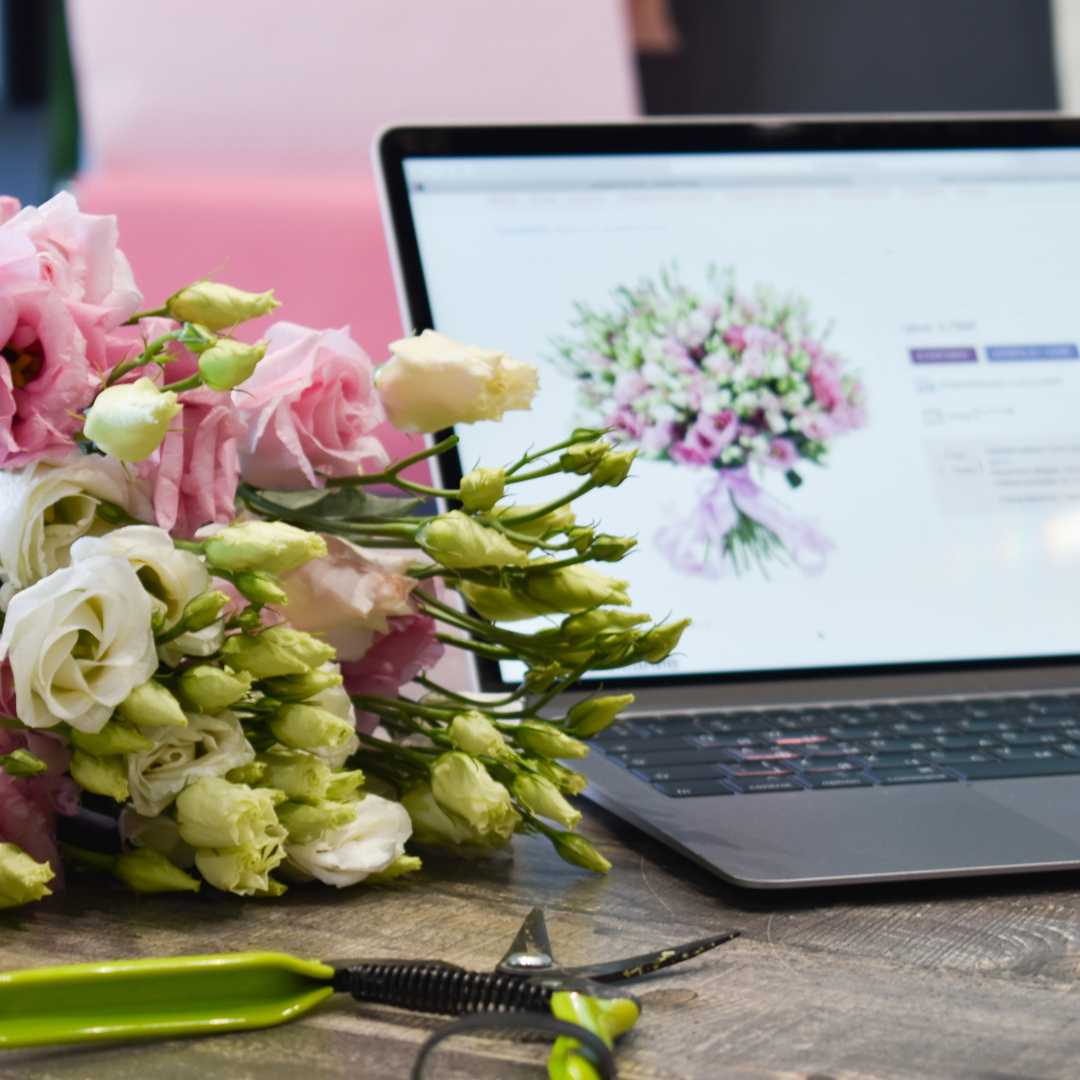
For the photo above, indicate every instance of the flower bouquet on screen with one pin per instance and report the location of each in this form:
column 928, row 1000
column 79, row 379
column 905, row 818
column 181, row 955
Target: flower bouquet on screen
column 222, row 602
column 738, row 387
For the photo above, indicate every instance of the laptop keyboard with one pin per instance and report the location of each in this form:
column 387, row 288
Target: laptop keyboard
column 755, row 751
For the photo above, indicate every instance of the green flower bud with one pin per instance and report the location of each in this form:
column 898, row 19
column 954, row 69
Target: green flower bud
column 583, row 457
column 227, row 363
column 403, row 864
column 612, row 471
column 432, row 825
column 145, row 870
column 481, row 489
column 539, row 679
column 210, row 689
column 305, row 727
column 463, row 788
column 611, row 548
column 299, row 775
column 590, row 623
column 661, row 641
column 558, row 520
column 211, row 813
column 204, row 610
column 278, row 650
column 22, row 879
column 270, row 546
column 102, row 776
column 23, row 764
column 196, row 337
column 218, row 307
column 306, row 822
column 542, row 797
column 593, row 715
column 476, row 734
column 573, row 783
column 128, row 421
column 302, row 687
column 249, row 774
column 457, row 540
column 244, row 869
column 150, row 704
column 343, row 784
column 577, row 851
column 113, row 738
column 259, row 588
column 548, row 740
column 581, row 538
column 546, row 592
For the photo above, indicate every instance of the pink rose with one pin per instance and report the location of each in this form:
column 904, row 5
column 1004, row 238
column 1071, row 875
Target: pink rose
column 78, row 256
column 690, row 451
column 18, row 258
column 347, row 597
column 658, row 437
column 628, row 421
column 781, row 454
column 817, row 426
column 761, row 337
column 46, row 379
column 734, row 338
column 9, row 207
column 826, row 380
column 311, row 405
column 629, row 386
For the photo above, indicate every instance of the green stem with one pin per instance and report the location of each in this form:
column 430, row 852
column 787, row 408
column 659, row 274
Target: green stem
column 91, row 858
column 188, row 545
column 547, row 508
column 144, row 358
column 372, row 702
column 411, row 757
column 184, row 384
column 493, row 652
column 158, row 311
column 548, row 470
column 389, row 474
column 559, row 687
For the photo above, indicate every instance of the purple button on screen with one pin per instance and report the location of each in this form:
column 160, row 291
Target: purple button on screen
column 943, row 356
column 1032, row 352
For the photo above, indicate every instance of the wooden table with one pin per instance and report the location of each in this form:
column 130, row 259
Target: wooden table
column 965, row 981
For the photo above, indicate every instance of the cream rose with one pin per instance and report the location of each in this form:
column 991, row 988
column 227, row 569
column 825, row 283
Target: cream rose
column 432, row 382
column 79, row 642
column 366, row 845
column 47, row 506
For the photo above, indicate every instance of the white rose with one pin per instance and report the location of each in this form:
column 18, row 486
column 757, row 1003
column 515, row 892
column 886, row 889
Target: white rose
column 432, row 382
column 367, row 844
column 172, row 577
column 208, row 746
column 47, row 506
column 335, row 699
column 79, row 642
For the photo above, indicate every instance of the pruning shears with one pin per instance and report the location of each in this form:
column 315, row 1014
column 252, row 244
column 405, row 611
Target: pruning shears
column 203, row 995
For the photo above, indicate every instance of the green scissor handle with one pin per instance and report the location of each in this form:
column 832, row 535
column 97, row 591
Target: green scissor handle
column 185, row 995
column 607, row 1017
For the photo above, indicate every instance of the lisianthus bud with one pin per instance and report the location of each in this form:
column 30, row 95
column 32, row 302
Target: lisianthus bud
column 590, row 623
column 476, row 734
column 580, row 537
column 305, row 727
column 23, row 764
column 431, row 824
column 228, row 362
column 582, row 457
column 299, row 775
column 588, row 717
column 611, row 548
column 270, row 546
column 457, row 540
column 22, row 879
column 277, row 650
column 260, row 588
column 573, row 783
column 244, row 869
column 129, row 421
column 548, row 740
column 542, row 797
column 432, row 382
column 302, row 687
column 575, row 588
column 539, row 679
column 204, row 611
column 101, row 775
column 145, row 870
column 661, row 640
column 218, row 306
column 249, row 774
column 209, row 689
column 558, row 520
column 612, row 471
column 113, row 738
column 150, row 704
column 577, row 851
column 343, row 784
column 214, row 813
column 463, row 788
column 481, row 489
column 306, row 822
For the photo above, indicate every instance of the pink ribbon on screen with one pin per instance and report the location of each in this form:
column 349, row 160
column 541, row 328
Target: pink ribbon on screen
column 689, row 542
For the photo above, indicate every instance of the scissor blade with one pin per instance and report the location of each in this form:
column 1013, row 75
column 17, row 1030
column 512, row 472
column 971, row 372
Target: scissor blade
column 530, row 944
column 616, row 970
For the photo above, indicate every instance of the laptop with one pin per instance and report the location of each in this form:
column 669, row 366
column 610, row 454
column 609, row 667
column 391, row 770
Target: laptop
column 849, row 352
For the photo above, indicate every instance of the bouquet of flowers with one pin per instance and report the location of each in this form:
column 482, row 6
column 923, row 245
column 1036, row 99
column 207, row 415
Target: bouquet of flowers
column 219, row 596
column 725, row 383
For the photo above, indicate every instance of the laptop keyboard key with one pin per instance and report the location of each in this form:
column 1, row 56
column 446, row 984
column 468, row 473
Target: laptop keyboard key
column 1070, row 748
column 755, row 768
column 765, row 753
column 682, row 789
column 963, row 742
column 921, row 727
column 689, row 756
column 654, row 773
column 1004, row 770
column 713, row 739
column 1023, row 753
column 750, row 786
column 833, row 749
column 897, row 746
column 888, row 761
column 982, row 726
column 1035, row 722
column 956, row 757
column 1027, row 738
column 631, row 746
column 857, row 731
column 924, row 774
column 667, row 726
column 828, row 764
column 819, row 781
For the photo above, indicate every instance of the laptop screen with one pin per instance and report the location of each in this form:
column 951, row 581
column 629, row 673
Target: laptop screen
column 853, row 377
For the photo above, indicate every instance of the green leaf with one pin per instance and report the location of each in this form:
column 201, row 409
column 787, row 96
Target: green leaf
column 342, row 504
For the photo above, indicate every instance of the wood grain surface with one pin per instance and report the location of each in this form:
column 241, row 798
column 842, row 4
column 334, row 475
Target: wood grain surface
column 972, row 980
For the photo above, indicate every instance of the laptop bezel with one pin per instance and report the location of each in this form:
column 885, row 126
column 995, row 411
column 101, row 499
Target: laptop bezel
column 751, row 134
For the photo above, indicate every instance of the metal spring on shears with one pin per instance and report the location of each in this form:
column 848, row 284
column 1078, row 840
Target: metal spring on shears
column 441, row 988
